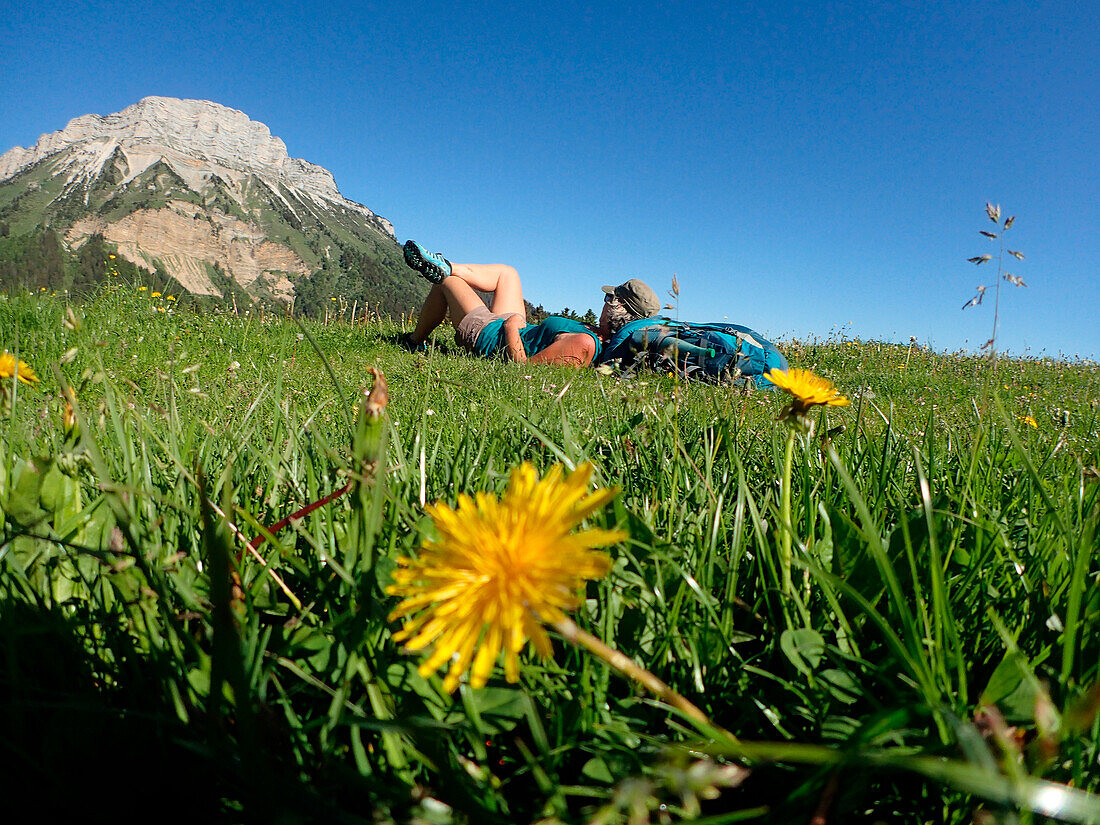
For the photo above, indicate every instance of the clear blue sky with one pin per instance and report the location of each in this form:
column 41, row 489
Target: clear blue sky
column 807, row 169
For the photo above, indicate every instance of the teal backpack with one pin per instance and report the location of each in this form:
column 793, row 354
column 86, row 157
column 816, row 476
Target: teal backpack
column 720, row 353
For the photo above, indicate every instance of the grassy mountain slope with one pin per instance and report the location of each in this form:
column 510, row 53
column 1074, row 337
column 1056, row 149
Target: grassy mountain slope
column 330, row 251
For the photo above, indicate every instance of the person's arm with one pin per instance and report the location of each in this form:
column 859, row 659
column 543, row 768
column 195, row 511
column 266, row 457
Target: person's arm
column 513, row 344
column 570, row 349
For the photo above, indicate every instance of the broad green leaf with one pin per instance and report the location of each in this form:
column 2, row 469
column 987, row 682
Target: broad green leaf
column 804, row 647
column 840, row 684
column 23, row 504
column 596, row 769
column 61, row 496
column 499, row 703
column 1012, row 688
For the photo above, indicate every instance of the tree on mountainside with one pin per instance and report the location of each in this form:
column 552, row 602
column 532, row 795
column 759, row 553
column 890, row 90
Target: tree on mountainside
column 34, row 261
column 93, row 260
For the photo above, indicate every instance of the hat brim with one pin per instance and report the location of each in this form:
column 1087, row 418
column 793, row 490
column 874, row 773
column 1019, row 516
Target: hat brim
column 610, row 290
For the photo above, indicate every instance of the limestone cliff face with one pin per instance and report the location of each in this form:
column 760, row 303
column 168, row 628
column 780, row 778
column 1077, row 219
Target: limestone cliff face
column 182, row 245
column 187, row 184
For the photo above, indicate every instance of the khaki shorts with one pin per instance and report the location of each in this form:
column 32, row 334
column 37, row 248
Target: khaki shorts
column 471, row 326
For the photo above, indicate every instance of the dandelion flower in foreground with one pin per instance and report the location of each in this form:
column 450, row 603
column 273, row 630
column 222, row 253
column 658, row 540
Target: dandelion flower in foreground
column 9, row 367
column 807, row 390
column 498, row 571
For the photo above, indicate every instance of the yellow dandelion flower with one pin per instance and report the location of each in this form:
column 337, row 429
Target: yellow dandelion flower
column 155, row 294
column 142, row 288
column 498, row 571
column 1030, row 421
column 171, row 298
column 807, row 390
column 10, row 368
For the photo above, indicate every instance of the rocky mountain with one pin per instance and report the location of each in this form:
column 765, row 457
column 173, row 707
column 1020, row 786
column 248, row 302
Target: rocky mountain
column 201, row 194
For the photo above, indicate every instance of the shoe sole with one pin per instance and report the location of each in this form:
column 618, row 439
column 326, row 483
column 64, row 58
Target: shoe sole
column 430, row 270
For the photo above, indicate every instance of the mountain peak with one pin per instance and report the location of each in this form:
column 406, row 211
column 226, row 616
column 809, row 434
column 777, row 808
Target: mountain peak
column 191, row 136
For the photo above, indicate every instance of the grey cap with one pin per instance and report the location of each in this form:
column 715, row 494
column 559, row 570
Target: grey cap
column 637, row 296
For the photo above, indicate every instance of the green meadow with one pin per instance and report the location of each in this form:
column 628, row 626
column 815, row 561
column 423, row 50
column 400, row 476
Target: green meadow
column 926, row 650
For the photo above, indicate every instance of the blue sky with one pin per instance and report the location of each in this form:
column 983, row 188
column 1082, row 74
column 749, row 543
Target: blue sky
column 808, row 169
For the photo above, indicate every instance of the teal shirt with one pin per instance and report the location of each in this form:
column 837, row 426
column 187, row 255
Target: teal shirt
column 535, row 337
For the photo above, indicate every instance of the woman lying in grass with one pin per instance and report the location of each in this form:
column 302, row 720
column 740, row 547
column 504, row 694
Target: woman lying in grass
column 502, row 328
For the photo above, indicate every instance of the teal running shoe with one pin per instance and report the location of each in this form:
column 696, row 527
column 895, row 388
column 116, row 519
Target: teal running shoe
column 431, row 265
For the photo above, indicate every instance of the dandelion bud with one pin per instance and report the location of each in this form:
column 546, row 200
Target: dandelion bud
column 367, row 442
column 68, row 420
column 68, row 416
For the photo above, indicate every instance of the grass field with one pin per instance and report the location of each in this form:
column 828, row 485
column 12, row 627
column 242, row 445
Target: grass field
column 926, row 650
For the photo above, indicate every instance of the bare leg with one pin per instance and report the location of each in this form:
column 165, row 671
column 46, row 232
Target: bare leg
column 570, row 349
column 432, row 314
column 500, row 279
column 453, row 295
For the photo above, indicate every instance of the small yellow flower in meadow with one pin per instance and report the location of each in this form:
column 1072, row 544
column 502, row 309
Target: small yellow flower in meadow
column 807, row 390
column 112, row 257
column 142, row 288
column 156, row 294
column 170, row 298
column 10, row 368
column 500, row 570
column 1030, row 421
